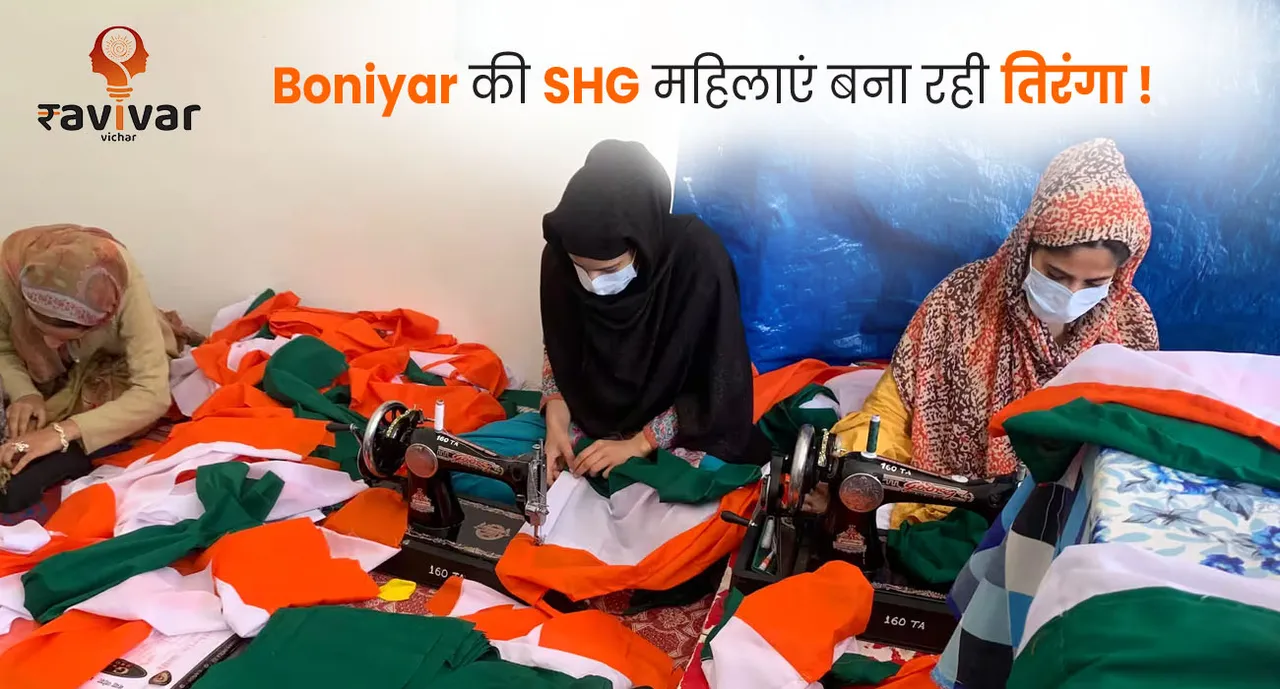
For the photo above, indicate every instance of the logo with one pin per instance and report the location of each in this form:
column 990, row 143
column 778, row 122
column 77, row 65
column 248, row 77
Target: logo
column 161, row 679
column 935, row 490
column 119, row 57
column 419, row 502
column 492, row 532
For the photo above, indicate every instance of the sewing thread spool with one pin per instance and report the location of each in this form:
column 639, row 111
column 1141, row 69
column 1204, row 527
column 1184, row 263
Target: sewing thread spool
column 439, row 418
column 873, row 436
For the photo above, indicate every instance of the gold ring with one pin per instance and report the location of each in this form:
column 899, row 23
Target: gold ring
column 21, row 446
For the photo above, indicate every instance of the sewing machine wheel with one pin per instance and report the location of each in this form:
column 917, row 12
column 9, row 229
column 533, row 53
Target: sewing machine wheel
column 801, row 475
column 382, row 450
column 862, row 493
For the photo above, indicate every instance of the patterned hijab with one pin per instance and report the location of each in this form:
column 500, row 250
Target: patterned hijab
column 974, row 346
column 65, row 273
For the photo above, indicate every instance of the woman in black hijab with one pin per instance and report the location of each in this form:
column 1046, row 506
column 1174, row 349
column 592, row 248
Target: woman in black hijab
column 645, row 347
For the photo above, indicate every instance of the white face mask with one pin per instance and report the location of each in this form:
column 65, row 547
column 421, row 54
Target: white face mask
column 1057, row 305
column 609, row 283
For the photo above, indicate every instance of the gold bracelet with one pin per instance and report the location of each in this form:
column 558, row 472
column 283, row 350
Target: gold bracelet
column 62, row 436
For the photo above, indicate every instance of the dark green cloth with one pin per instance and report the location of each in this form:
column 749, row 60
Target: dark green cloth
column 675, row 480
column 232, row 502
column 932, row 553
column 513, row 401
column 265, row 330
column 731, row 602
column 1046, row 441
column 853, row 670
column 414, row 373
column 781, row 424
column 1152, row 638
column 296, row 374
column 330, row 646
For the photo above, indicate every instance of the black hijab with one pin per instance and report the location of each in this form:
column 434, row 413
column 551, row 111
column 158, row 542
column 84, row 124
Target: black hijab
column 673, row 337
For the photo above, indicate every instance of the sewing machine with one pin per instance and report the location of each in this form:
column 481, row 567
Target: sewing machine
column 783, row 538
column 448, row 535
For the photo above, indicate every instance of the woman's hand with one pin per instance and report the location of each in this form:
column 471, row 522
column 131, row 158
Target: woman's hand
column 25, row 414
column 559, row 447
column 39, row 443
column 603, row 455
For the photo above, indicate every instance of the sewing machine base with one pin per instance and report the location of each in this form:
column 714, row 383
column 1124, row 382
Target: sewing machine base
column 901, row 616
column 470, row 550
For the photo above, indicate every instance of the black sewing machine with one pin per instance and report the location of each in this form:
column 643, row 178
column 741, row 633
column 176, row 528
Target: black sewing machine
column 448, row 535
column 783, row 538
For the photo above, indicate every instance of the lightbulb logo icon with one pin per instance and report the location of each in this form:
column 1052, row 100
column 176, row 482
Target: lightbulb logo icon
column 119, row 56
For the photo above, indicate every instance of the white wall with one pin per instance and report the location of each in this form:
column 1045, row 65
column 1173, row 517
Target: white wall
column 435, row 208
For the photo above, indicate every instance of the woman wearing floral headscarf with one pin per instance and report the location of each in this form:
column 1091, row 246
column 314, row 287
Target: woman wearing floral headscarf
column 999, row 328
column 84, row 355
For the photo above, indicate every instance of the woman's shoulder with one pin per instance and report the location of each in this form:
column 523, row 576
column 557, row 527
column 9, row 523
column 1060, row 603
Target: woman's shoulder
column 962, row 286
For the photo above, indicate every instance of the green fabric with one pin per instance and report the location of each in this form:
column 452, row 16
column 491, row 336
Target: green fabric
column 514, row 400
column 675, row 479
column 259, row 300
column 296, row 374
column 934, row 552
column 781, row 424
column 731, row 602
column 1046, row 441
column 232, row 502
column 1152, row 638
column 265, row 331
column 330, row 646
column 415, row 374
column 853, row 670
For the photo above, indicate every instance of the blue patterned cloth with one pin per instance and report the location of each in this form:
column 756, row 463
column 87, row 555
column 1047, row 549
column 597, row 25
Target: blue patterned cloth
column 1105, row 496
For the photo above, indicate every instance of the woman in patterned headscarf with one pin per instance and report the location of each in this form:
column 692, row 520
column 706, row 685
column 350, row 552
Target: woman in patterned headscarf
column 999, row 328
column 84, row 355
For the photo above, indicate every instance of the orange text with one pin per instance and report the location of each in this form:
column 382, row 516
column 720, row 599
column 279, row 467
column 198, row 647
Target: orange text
column 368, row 88
column 621, row 85
column 1027, row 76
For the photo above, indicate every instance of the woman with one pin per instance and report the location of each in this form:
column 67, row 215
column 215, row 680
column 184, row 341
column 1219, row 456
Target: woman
column 84, row 355
column 645, row 347
column 999, row 328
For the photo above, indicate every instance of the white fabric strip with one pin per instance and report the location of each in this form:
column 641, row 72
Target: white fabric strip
column 1082, row 572
column 1245, row 381
column 620, row 530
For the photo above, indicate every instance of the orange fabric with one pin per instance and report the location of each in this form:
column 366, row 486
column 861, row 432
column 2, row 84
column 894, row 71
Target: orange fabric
column 253, row 321
column 89, row 513
column 69, row 651
column 140, row 448
column 241, row 400
column 1174, row 403
column 836, row 600
column 300, row 436
column 499, row 623
column 775, row 386
column 529, row 570
column 378, row 514
column 914, row 674
column 14, row 563
column 287, row 564
column 467, row 408
column 596, row 635
column 377, row 345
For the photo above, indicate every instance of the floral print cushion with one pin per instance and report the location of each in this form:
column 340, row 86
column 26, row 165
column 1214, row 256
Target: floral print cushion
column 1234, row 527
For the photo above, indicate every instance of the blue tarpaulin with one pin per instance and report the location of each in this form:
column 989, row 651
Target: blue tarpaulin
column 838, row 234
